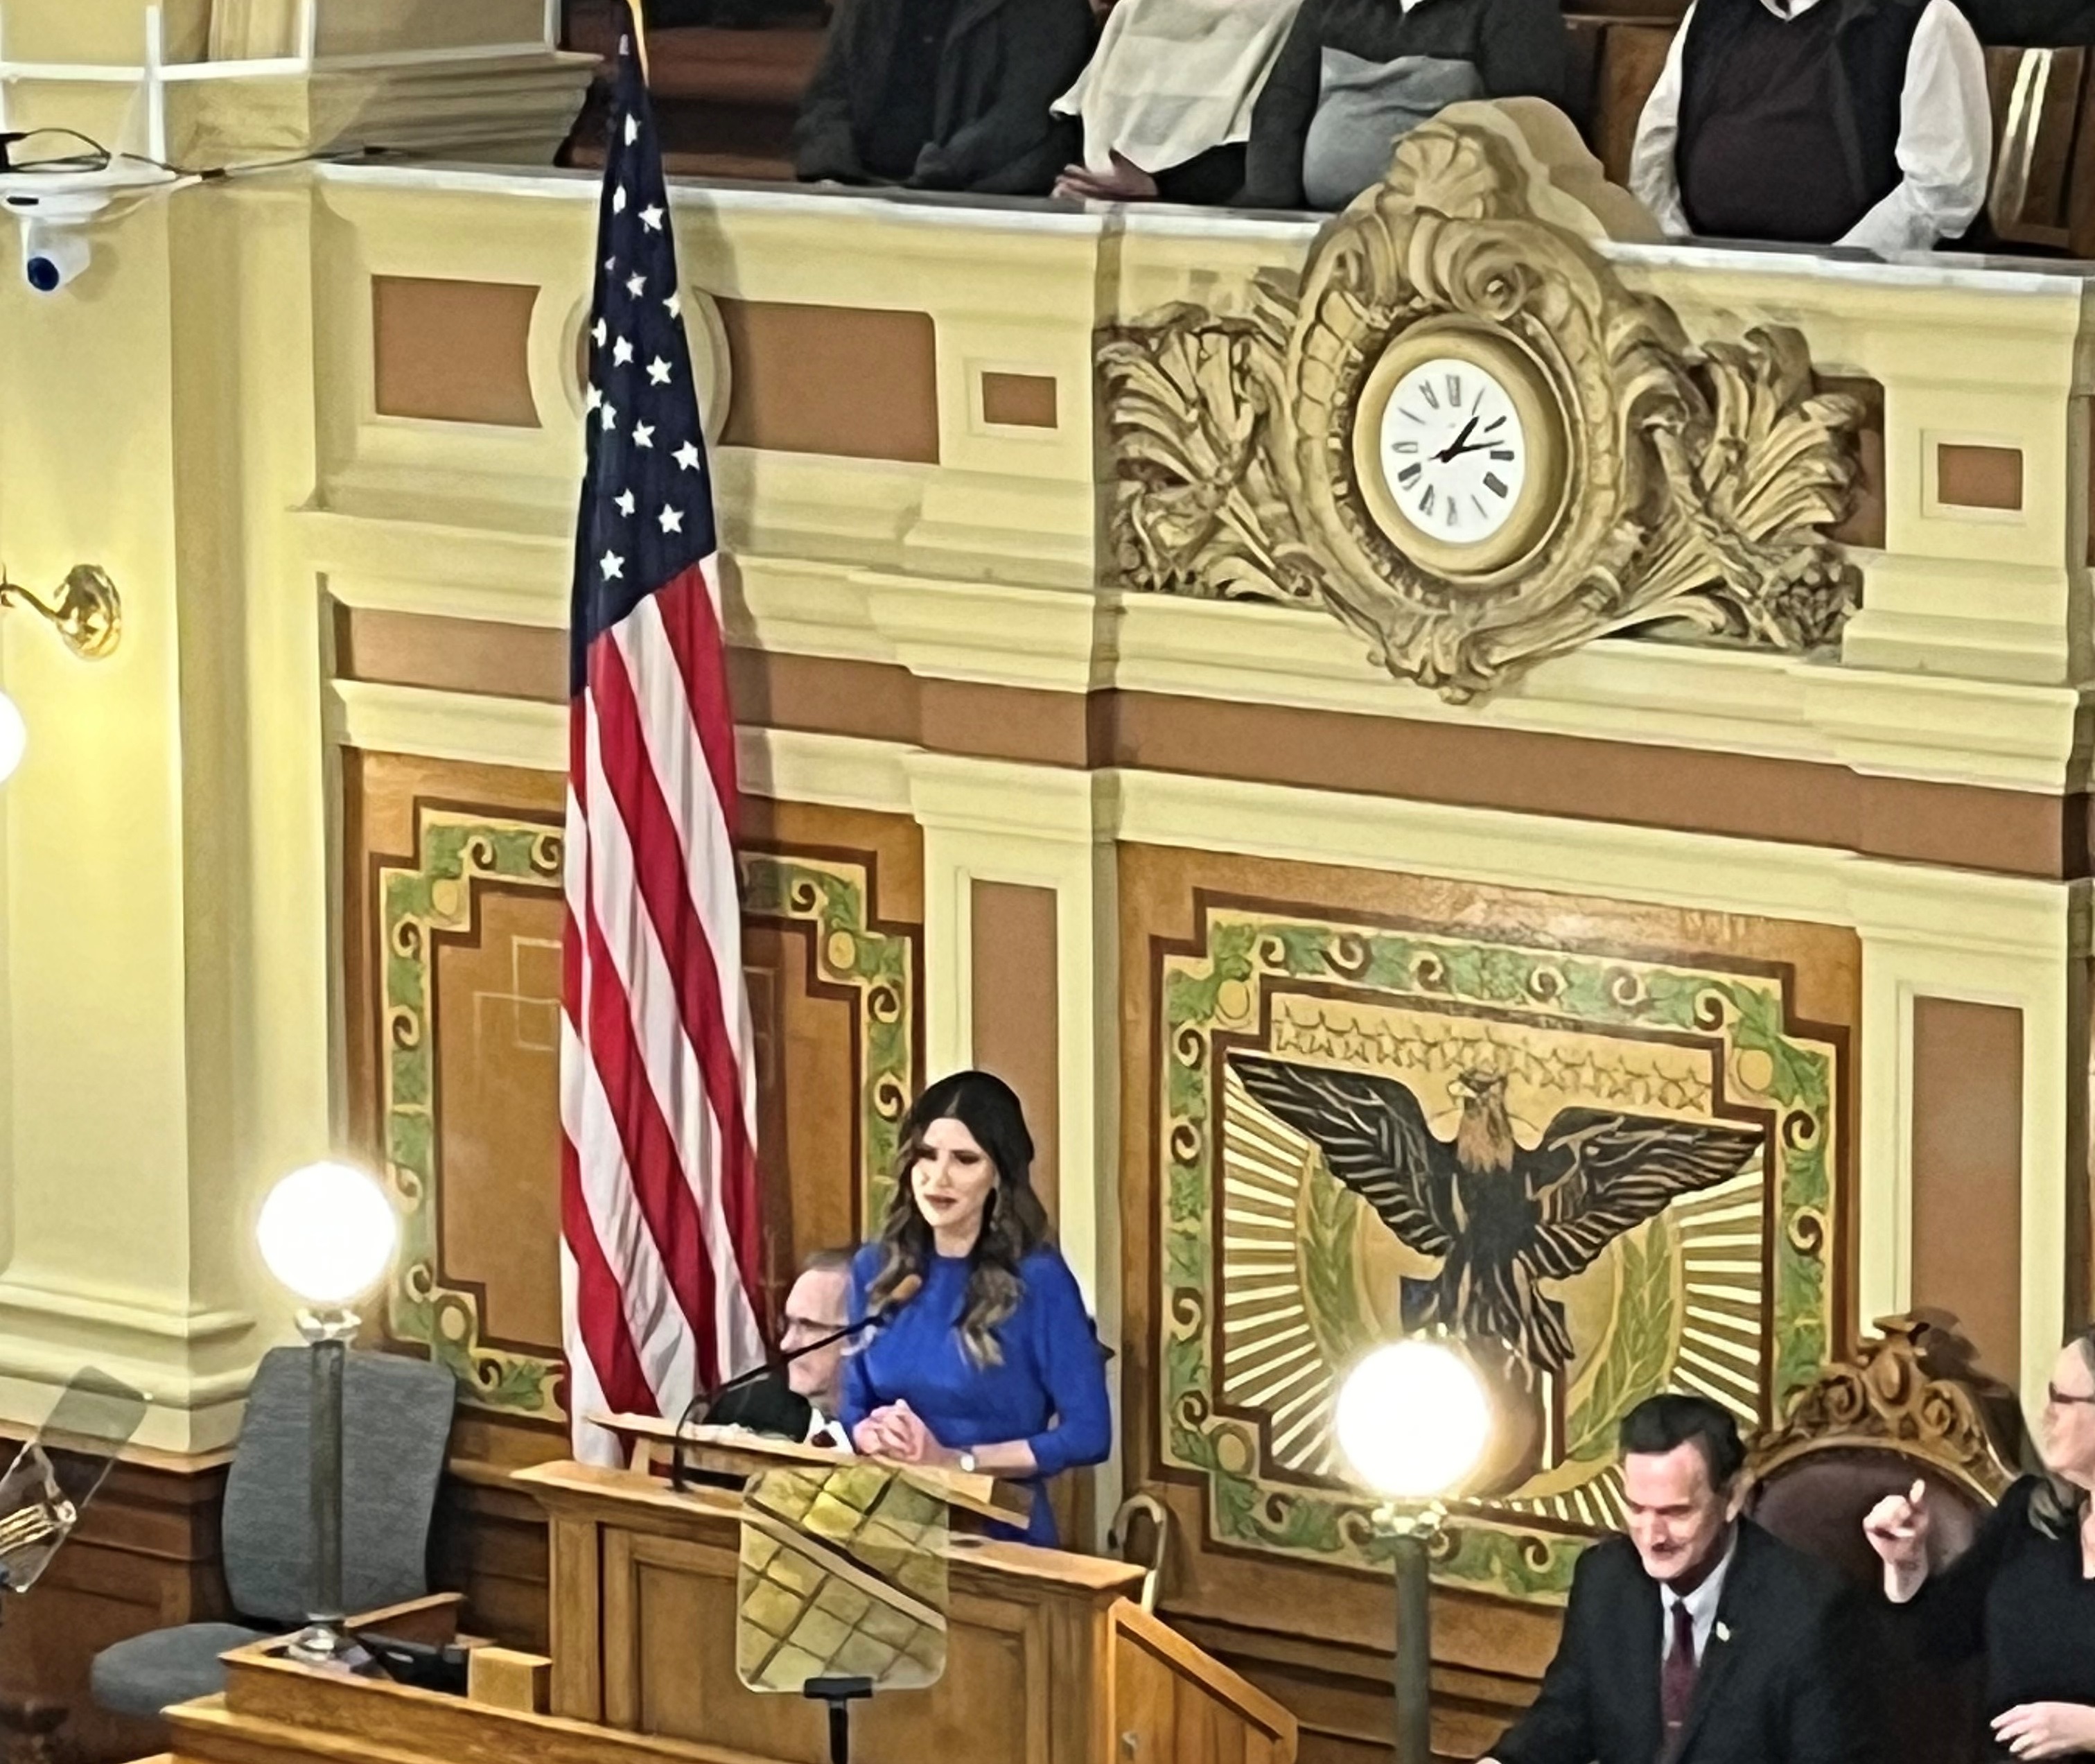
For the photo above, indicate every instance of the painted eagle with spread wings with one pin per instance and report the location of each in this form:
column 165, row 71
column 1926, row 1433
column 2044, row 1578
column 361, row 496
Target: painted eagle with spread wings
column 1499, row 1218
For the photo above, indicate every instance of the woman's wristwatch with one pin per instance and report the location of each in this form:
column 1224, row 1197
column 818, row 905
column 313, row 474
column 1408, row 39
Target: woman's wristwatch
column 967, row 1462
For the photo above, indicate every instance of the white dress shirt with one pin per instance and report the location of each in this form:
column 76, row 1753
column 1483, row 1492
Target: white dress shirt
column 1701, row 1606
column 1944, row 142
column 825, row 1430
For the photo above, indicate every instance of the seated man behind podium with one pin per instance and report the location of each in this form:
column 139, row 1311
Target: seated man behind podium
column 1818, row 122
column 991, row 1363
column 802, row 1401
column 1698, row 1638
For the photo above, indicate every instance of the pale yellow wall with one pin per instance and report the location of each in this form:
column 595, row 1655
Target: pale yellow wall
column 196, row 416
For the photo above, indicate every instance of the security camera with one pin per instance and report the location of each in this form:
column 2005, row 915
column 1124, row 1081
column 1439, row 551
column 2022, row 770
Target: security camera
column 55, row 222
column 52, row 256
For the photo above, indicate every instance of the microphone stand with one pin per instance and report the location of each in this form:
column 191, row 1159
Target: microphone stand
column 702, row 1402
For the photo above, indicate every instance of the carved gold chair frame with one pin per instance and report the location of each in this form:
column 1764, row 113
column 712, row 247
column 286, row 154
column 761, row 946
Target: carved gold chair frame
column 1886, row 1399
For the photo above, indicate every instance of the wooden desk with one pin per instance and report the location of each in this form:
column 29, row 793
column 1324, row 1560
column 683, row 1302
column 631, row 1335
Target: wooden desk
column 1047, row 1663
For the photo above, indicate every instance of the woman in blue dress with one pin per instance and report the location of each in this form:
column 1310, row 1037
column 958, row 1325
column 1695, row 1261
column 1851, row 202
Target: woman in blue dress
column 991, row 1364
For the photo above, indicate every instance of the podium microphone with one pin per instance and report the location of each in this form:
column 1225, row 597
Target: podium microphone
column 702, row 1403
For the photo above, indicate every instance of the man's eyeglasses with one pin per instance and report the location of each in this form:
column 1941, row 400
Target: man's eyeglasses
column 2065, row 1399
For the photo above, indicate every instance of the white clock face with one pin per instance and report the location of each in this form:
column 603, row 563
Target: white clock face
column 1451, row 451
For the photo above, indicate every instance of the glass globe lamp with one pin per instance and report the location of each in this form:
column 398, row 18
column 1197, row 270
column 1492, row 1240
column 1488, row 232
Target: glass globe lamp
column 328, row 1232
column 1412, row 1419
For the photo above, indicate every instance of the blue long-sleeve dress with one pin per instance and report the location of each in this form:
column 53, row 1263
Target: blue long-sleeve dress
column 1050, row 1390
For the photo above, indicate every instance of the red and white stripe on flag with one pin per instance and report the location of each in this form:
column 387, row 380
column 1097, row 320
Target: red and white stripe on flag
column 659, row 1213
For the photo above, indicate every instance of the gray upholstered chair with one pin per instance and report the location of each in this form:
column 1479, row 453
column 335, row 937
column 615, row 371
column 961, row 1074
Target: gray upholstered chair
column 396, row 1426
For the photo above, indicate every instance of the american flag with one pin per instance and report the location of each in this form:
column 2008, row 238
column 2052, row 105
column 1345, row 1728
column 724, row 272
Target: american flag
column 659, row 1210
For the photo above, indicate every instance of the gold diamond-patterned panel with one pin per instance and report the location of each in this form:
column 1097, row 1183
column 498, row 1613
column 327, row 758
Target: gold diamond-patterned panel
column 843, row 1575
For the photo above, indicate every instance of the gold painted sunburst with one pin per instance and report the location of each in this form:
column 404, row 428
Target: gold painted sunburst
column 1310, row 1277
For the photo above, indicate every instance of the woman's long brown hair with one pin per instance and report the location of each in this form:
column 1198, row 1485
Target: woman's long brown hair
column 1014, row 1223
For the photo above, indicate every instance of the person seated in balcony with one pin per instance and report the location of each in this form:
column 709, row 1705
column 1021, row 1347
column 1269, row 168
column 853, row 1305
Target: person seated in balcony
column 944, row 94
column 1165, row 100
column 1354, row 75
column 1818, row 122
column 2033, row 23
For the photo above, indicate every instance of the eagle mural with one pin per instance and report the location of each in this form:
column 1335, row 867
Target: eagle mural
column 1498, row 1217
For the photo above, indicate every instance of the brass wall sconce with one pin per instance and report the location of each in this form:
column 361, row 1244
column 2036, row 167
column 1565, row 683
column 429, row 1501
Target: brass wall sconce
column 85, row 611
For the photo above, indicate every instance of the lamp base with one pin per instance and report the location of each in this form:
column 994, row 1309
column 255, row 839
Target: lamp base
column 1410, row 1527
column 322, row 1643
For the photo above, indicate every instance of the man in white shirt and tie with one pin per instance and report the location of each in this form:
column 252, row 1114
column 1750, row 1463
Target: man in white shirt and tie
column 1696, row 1637
column 1818, row 122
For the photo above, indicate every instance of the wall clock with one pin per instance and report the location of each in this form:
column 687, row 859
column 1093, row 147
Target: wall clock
column 1460, row 448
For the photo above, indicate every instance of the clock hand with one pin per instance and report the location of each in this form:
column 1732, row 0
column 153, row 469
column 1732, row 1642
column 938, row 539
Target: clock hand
column 1459, row 444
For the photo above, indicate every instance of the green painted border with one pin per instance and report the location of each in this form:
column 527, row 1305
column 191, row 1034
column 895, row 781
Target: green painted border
column 1246, row 948
column 879, row 966
column 455, row 852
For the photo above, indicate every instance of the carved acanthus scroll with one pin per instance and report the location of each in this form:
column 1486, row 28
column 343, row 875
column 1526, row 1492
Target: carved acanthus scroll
column 1700, row 479
column 1887, row 1398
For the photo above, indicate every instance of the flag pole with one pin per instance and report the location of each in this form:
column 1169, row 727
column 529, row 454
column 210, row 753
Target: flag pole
column 637, row 10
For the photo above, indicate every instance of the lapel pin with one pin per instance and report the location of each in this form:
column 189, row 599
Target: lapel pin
column 1723, row 1632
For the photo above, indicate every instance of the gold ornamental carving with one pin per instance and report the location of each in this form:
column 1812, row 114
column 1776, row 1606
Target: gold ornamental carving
column 1609, row 475
column 1886, row 1398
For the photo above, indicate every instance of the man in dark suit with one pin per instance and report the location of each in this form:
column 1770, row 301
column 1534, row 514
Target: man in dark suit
column 801, row 1401
column 1697, row 1638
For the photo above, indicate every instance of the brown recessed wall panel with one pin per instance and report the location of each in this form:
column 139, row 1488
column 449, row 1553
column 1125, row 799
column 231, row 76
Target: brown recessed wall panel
column 475, row 655
column 458, row 351
column 1972, row 477
column 1967, row 1172
column 855, row 381
column 1019, row 400
column 1740, row 796
column 1012, row 945
column 497, row 993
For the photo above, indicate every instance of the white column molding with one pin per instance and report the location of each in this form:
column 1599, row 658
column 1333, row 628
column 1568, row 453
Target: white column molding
column 1983, row 940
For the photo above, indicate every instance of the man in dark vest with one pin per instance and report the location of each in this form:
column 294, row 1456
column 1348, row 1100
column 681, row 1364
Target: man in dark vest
column 1818, row 122
column 1697, row 1638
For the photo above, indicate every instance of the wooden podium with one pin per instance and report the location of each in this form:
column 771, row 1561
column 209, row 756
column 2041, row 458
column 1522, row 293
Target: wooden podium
column 1048, row 1662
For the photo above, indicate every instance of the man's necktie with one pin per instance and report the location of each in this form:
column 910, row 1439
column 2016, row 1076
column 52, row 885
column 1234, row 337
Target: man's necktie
column 1676, row 1680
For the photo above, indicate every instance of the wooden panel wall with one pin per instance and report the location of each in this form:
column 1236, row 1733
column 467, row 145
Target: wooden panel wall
column 146, row 1555
column 451, row 984
column 1548, row 989
column 1967, row 1175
